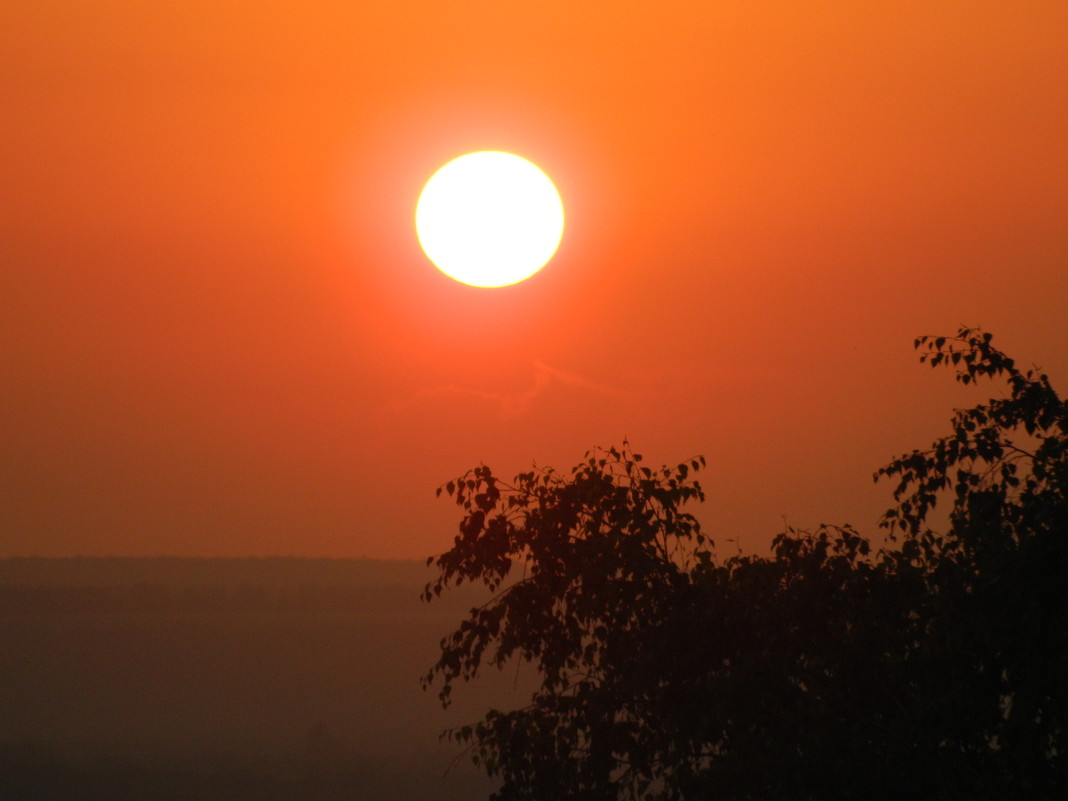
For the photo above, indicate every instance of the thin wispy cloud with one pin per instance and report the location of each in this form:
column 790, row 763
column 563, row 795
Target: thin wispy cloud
column 511, row 405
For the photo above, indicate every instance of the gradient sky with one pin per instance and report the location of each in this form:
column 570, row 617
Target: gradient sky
column 219, row 335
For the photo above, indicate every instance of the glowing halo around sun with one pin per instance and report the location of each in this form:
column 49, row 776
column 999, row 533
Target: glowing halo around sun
column 489, row 219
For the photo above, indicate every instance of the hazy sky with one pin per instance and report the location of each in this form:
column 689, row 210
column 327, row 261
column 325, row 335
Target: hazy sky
column 220, row 337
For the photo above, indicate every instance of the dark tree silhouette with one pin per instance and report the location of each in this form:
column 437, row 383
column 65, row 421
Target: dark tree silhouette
column 930, row 667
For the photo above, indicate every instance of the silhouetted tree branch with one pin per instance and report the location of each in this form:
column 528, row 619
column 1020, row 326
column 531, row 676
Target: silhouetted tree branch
column 930, row 668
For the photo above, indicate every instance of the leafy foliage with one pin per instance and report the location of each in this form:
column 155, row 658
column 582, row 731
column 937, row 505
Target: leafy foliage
column 930, row 667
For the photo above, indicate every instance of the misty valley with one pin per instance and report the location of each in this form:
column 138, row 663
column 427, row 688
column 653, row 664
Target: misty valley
column 228, row 678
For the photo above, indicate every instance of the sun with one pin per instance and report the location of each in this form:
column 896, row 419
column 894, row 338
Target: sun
column 489, row 219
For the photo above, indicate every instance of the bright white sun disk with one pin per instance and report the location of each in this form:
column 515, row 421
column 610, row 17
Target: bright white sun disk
column 489, row 219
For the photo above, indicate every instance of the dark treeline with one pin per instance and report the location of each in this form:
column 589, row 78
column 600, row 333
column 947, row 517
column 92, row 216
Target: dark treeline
column 42, row 774
column 169, row 584
column 145, row 597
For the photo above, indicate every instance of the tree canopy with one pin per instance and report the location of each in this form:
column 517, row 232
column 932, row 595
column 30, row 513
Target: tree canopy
column 931, row 666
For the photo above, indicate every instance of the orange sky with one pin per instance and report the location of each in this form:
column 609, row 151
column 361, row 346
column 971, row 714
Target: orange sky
column 219, row 335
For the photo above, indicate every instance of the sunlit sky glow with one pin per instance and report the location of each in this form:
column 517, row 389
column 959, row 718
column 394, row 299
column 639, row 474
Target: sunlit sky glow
column 221, row 336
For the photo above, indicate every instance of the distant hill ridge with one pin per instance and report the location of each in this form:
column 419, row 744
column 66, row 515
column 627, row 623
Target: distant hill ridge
column 111, row 570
